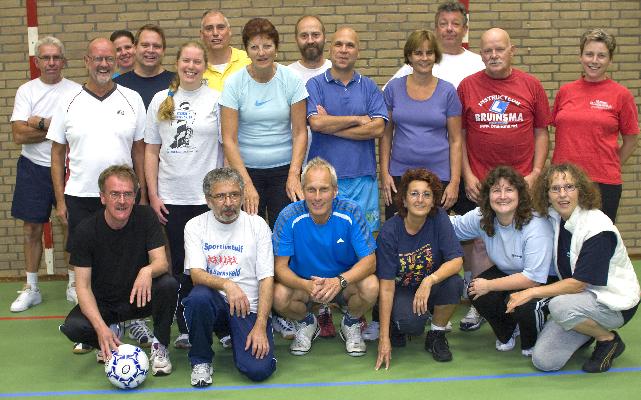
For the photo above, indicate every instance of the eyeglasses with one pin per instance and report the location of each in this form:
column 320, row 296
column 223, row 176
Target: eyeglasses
column 124, row 195
column 569, row 187
column 99, row 59
column 221, row 197
column 51, row 58
column 415, row 195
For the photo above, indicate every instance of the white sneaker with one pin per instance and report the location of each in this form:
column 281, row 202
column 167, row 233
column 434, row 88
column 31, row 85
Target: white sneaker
column 160, row 363
column 140, row 332
column 354, row 343
column 27, row 298
column 285, row 327
column 225, row 341
column 510, row 343
column 182, row 341
column 71, row 293
column 527, row 352
column 304, row 335
column 471, row 321
column 371, row 332
column 201, row 375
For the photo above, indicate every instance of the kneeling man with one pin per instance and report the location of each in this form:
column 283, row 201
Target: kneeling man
column 230, row 258
column 118, row 254
column 324, row 253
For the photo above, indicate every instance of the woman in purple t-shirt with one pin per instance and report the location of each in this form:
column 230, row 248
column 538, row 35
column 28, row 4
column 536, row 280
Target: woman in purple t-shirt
column 425, row 123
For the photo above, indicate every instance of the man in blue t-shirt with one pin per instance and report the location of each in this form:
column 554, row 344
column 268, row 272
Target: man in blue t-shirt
column 324, row 252
column 346, row 112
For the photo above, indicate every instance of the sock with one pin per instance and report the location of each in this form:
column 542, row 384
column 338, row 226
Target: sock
column 32, row 279
column 72, row 277
column 350, row 320
column 437, row 328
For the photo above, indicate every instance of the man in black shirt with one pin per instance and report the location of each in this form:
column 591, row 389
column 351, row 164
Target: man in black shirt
column 121, row 271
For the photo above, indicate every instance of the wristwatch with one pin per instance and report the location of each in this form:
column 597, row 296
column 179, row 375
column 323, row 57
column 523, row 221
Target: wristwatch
column 41, row 124
column 343, row 281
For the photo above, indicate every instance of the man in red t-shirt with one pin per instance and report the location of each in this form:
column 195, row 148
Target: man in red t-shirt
column 505, row 116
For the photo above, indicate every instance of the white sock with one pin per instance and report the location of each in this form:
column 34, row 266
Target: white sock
column 437, row 328
column 32, row 279
column 72, row 277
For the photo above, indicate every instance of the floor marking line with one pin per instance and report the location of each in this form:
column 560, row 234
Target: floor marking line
column 309, row 384
column 35, row 317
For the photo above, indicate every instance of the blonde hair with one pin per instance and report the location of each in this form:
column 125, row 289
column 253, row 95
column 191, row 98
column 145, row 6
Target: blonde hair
column 166, row 109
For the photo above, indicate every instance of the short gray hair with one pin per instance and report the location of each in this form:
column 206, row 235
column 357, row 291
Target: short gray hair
column 318, row 162
column 214, row 11
column 50, row 40
column 451, row 6
column 224, row 174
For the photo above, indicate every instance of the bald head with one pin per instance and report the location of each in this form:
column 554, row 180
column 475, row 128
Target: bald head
column 344, row 52
column 497, row 52
column 101, row 43
column 495, row 34
column 346, row 31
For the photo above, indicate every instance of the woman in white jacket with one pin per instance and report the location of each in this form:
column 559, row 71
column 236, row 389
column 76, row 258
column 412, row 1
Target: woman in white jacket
column 598, row 290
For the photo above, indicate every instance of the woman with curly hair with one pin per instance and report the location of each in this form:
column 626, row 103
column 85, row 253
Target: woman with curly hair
column 418, row 260
column 598, row 290
column 519, row 242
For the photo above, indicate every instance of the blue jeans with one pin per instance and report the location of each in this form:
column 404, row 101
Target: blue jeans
column 205, row 311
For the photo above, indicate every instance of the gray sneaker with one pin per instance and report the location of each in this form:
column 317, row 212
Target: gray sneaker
column 140, row 332
column 354, row 343
column 201, row 375
column 159, row 360
column 305, row 334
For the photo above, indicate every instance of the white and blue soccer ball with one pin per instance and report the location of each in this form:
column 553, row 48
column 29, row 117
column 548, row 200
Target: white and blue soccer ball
column 127, row 367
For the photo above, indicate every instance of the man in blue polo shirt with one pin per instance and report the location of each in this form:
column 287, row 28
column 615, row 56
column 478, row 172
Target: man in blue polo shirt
column 346, row 112
column 324, row 252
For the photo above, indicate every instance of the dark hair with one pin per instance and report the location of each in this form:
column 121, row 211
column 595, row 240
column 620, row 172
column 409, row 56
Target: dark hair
column 309, row 16
column 451, row 6
column 153, row 28
column 259, row 27
column 589, row 194
column 122, row 33
column 523, row 213
column 418, row 174
column 121, row 171
column 416, row 39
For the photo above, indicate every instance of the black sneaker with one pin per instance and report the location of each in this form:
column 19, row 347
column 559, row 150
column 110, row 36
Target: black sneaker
column 396, row 338
column 603, row 354
column 436, row 343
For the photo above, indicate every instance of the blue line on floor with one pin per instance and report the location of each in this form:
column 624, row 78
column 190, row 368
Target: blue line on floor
column 306, row 385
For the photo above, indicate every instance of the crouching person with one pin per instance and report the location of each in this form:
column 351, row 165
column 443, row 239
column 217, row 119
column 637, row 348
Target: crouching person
column 118, row 254
column 418, row 260
column 230, row 258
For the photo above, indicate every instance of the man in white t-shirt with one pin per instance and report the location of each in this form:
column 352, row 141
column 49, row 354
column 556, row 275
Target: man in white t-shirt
column 451, row 28
column 33, row 196
column 231, row 262
column 310, row 38
column 103, row 124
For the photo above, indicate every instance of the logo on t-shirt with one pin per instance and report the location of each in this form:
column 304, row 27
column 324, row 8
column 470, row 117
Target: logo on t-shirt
column 415, row 266
column 340, row 240
column 498, row 115
column 184, row 123
column 600, row 105
column 260, row 103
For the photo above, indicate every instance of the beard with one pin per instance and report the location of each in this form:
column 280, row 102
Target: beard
column 312, row 52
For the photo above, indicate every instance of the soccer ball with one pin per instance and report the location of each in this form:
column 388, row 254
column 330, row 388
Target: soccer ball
column 127, row 367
